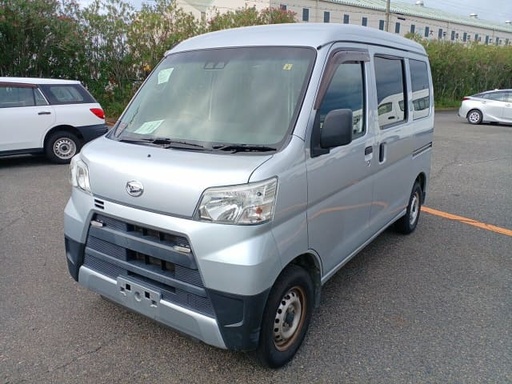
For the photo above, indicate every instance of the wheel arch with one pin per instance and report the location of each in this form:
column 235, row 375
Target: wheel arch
column 421, row 179
column 62, row 128
column 312, row 265
column 473, row 109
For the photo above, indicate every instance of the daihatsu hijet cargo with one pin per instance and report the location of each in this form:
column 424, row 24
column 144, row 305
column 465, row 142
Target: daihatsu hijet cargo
column 250, row 167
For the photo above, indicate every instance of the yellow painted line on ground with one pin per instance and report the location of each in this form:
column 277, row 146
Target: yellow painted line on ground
column 465, row 220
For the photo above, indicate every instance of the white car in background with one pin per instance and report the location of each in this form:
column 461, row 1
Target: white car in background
column 54, row 117
column 488, row 107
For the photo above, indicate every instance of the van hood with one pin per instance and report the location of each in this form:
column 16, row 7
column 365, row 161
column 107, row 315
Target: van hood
column 172, row 180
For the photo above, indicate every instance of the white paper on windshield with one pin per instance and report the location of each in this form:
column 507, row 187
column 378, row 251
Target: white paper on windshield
column 164, row 74
column 148, row 127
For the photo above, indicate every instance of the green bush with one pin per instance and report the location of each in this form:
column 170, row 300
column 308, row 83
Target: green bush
column 459, row 70
column 111, row 47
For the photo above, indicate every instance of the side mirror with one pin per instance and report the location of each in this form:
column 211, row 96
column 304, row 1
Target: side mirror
column 337, row 128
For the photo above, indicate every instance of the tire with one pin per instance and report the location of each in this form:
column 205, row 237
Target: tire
column 407, row 223
column 474, row 117
column 61, row 147
column 286, row 317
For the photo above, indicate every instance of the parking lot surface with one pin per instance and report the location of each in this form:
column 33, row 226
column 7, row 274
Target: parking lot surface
column 432, row 307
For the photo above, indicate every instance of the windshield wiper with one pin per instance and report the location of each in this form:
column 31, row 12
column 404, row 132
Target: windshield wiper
column 136, row 141
column 243, row 148
column 168, row 143
column 164, row 142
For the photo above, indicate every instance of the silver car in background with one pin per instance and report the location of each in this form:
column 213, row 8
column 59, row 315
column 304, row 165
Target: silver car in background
column 488, row 107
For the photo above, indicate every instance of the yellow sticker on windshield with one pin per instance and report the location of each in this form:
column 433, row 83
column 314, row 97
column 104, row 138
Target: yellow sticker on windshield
column 287, row 67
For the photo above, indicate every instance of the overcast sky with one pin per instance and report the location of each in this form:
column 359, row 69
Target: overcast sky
column 493, row 10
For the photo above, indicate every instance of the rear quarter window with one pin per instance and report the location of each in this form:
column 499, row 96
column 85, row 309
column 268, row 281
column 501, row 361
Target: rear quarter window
column 66, row 94
column 497, row 96
column 391, row 90
column 420, row 88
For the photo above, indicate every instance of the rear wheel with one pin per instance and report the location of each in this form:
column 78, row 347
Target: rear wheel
column 407, row 223
column 61, row 147
column 474, row 116
column 286, row 317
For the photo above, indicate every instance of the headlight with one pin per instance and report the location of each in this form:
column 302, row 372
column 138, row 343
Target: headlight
column 239, row 204
column 79, row 174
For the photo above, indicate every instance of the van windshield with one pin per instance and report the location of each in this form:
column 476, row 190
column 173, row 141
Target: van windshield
column 220, row 98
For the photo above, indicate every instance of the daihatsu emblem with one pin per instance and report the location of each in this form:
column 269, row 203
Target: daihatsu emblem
column 134, row 188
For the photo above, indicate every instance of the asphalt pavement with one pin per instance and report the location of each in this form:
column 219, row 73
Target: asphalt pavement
column 432, row 307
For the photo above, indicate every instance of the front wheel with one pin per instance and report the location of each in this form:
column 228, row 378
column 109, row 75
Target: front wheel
column 286, row 317
column 407, row 223
column 61, row 147
column 474, row 116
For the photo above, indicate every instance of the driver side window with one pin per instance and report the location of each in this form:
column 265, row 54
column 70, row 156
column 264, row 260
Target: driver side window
column 346, row 91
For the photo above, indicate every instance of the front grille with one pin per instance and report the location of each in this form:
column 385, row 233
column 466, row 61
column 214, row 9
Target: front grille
column 156, row 259
column 99, row 204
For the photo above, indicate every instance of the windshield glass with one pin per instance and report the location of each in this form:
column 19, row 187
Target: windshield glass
column 220, row 98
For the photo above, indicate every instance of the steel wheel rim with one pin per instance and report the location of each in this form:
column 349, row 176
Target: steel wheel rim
column 289, row 318
column 415, row 209
column 474, row 117
column 64, row 148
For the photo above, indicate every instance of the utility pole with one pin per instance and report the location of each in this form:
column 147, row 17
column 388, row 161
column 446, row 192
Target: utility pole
column 388, row 2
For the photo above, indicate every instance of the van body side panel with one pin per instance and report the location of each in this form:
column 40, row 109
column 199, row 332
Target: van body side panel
column 339, row 201
column 393, row 175
column 396, row 167
column 289, row 226
column 340, row 183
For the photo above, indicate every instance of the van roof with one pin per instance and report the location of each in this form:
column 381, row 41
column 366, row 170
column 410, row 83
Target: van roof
column 297, row 34
column 36, row 80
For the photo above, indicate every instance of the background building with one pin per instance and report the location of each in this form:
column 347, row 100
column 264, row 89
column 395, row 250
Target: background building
column 402, row 18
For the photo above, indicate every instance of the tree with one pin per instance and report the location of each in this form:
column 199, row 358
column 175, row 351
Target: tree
column 107, row 68
column 39, row 38
column 249, row 16
column 156, row 28
column 277, row 16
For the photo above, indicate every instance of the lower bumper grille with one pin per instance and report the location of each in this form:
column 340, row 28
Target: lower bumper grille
column 156, row 259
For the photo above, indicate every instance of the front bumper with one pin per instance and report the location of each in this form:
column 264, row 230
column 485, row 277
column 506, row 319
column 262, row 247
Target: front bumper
column 212, row 287
column 149, row 302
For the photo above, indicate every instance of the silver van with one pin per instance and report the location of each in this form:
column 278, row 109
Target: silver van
column 250, row 167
